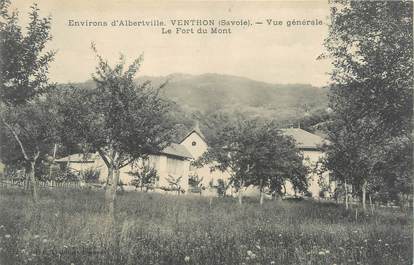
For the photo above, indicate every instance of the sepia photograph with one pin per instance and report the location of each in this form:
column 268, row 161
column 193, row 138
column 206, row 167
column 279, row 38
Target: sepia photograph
column 206, row 132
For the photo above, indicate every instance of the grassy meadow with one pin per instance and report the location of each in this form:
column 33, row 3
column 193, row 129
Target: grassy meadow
column 70, row 227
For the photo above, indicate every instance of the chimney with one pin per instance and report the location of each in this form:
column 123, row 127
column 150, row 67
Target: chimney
column 197, row 125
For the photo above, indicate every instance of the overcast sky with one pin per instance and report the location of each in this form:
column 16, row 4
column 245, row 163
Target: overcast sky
column 271, row 54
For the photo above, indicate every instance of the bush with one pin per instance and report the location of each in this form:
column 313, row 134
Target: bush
column 221, row 187
column 66, row 175
column 91, row 175
column 144, row 177
column 195, row 183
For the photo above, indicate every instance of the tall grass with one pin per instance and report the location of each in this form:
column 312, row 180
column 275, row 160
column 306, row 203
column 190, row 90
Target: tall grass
column 70, row 227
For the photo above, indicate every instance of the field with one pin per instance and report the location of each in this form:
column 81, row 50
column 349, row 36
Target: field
column 69, row 227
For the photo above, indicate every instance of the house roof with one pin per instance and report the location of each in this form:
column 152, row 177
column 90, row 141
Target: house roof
column 173, row 149
column 78, row 158
column 196, row 129
column 177, row 150
column 304, row 139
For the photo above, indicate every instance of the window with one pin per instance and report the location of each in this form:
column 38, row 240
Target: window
column 193, row 143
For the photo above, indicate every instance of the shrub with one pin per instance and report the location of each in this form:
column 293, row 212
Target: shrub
column 91, row 175
column 66, row 175
column 144, row 177
column 221, row 187
column 195, row 183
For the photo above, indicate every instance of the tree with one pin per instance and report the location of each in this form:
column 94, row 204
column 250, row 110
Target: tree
column 341, row 155
column 229, row 152
column 24, row 63
column 32, row 126
column 276, row 160
column 24, row 111
column 195, row 183
column 221, row 187
column 144, row 177
column 256, row 153
column 174, row 184
column 392, row 173
column 370, row 45
column 119, row 119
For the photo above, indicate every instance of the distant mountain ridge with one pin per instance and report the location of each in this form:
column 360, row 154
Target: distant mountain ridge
column 211, row 92
column 217, row 92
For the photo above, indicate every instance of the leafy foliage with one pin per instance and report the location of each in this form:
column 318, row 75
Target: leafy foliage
column 27, row 119
column 91, row 175
column 174, row 184
column 23, row 62
column 195, row 183
column 221, row 187
column 119, row 119
column 144, row 177
column 23, row 78
column 35, row 124
column 256, row 153
column 370, row 44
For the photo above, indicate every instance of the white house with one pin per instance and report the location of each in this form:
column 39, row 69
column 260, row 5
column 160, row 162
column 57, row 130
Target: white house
column 196, row 144
column 175, row 162
column 172, row 162
column 310, row 145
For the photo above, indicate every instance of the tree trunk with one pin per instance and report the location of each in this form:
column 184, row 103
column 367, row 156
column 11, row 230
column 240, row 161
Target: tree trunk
column 276, row 196
column 356, row 214
column 26, row 180
column 240, row 195
column 114, row 189
column 364, row 195
column 346, row 196
column 261, row 192
column 110, row 196
column 370, row 203
column 109, row 192
column 261, row 196
column 53, row 160
column 33, row 180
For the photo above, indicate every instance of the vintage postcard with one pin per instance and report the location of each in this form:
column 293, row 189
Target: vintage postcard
column 206, row 132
